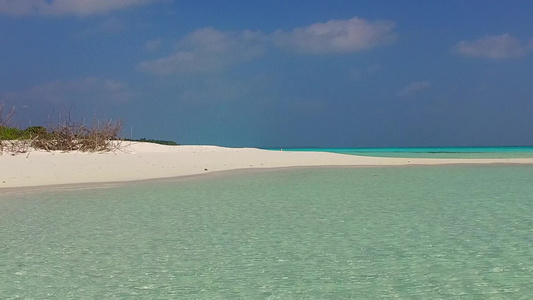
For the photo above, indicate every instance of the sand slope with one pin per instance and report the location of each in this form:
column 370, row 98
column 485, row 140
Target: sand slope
column 149, row 161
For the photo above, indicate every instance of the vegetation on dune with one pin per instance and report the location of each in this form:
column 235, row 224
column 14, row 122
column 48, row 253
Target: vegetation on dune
column 160, row 142
column 13, row 133
column 64, row 135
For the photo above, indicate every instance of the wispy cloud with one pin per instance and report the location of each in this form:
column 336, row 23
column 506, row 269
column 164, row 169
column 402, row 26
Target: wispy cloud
column 109, row 27
column 154, row 44
column 337, row 36
column 62, row 92
column 66, row 7
column 493, row 47
column 208, row 50
column 112, row 25
column 358, row 73
column 216, row 90
column 414, row 88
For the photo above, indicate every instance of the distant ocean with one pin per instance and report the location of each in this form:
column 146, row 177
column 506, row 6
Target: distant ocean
column 415, row 232
column 431, row 152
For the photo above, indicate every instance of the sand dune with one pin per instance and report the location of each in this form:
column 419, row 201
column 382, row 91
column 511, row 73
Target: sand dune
column 139, row 161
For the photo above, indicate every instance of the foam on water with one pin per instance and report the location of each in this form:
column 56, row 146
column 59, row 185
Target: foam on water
column 449, row 232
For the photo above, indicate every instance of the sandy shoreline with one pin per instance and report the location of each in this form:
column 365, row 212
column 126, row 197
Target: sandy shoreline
column 140, row 161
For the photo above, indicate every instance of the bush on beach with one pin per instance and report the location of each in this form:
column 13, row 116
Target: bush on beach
column 63, row 135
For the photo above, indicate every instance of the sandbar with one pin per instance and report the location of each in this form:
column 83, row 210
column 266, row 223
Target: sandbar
column 139, row 161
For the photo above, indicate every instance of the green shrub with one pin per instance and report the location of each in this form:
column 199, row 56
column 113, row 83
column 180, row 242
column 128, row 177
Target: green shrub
column 36, row 131
column 161, row 142
column 11, row 133
column 101, row 136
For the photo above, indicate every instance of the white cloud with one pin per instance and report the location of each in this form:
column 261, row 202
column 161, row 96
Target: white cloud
column 494, row 47
column 208, row 50
column 337, row 36
column 414, row 88
column 61, row 92
column 65, row 7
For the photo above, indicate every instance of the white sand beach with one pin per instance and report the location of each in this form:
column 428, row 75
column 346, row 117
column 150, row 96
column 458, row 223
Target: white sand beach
column 138, row 161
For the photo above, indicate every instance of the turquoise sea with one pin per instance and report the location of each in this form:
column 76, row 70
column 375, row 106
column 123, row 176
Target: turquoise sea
column 445, row 232
column 433, row 152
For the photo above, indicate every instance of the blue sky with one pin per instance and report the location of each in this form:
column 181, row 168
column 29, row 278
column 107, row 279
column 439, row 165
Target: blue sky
column 277, row 73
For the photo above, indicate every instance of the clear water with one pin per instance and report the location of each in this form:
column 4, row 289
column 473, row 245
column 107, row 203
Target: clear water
column 439, row 152
column 449, row 232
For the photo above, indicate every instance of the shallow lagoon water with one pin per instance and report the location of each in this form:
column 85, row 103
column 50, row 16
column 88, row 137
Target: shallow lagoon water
column 447, row 232
column 433, row 152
